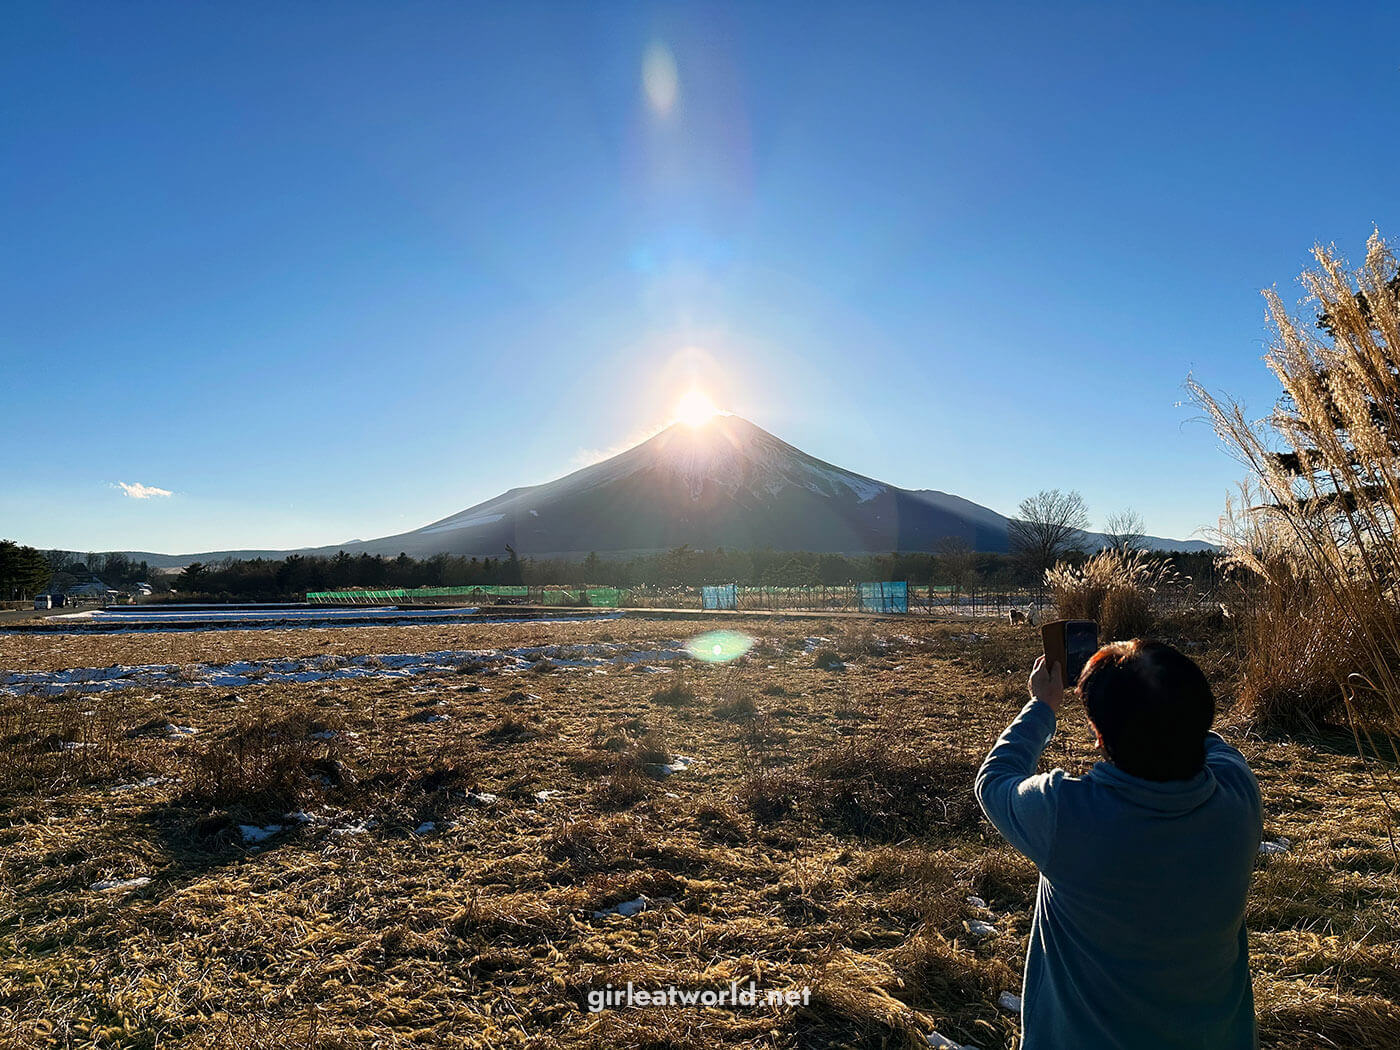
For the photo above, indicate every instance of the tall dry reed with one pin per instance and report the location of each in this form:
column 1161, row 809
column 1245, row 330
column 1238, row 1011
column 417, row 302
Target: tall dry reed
column 1120, row 589
column 1326, row 464
column 1294, row 646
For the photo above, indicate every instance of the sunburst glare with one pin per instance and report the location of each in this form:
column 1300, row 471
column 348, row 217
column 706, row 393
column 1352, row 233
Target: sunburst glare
column 695, row 409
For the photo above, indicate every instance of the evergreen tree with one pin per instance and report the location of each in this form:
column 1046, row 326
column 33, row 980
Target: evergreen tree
column 512, row 572
column 24, row 572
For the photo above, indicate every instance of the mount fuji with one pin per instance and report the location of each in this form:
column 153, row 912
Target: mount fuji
column 724, row 483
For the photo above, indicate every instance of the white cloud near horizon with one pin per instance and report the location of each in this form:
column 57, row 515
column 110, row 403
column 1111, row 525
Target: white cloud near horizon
column 140, row 491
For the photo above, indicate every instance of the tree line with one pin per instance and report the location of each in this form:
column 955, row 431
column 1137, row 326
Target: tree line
column 1051, row 528
column 114, row 569
column 288, row 579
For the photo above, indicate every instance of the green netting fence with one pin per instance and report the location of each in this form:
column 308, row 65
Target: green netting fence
column 598, row 597
column 868, row 597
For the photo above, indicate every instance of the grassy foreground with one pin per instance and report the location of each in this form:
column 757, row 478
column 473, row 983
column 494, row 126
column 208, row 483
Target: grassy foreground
column 460, row 839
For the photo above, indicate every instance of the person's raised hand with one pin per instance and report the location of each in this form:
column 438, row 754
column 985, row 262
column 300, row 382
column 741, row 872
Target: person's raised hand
column 1047, row 684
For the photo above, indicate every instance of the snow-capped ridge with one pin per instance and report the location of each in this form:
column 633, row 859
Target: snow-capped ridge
column 723, row 483
column 734, row 455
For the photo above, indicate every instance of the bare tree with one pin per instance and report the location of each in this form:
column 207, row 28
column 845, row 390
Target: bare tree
column 1123, row 530
column 957, row 562
column 1048, row 526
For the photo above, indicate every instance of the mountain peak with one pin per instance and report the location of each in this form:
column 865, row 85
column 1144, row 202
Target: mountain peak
column 724, row 423
column 731, row 455
column 720, row 482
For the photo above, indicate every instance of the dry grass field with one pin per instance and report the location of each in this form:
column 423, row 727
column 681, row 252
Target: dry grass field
column 435, row 859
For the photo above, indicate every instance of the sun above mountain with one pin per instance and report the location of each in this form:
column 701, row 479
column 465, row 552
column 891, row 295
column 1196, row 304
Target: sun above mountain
column 695, row 409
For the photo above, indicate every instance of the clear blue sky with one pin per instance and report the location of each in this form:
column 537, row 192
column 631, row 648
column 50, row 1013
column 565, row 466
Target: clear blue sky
column 327, row 271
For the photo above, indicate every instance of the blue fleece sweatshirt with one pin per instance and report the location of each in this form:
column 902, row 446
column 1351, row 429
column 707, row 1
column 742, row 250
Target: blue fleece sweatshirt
column 1138, row 939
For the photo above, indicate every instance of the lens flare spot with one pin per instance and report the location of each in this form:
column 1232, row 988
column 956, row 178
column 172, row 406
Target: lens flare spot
column 719, row 647
column 661, row 82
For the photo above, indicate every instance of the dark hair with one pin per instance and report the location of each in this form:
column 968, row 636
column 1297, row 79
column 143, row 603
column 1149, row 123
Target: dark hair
column 1152, row 706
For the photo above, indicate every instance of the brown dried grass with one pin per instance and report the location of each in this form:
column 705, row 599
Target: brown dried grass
column 480, row 932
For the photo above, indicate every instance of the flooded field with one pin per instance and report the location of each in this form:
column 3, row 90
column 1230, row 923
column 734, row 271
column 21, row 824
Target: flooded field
column 118, row 619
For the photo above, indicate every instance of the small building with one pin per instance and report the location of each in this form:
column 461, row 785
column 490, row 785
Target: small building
column 92, row 590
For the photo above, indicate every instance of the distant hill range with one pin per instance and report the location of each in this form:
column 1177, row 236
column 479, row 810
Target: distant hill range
column 726, row 483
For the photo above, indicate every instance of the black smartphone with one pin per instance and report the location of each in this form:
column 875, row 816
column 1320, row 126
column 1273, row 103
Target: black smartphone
column 1070, row 643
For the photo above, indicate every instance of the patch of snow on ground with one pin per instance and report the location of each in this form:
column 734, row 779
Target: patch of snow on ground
column 121, row 884
column 967, row 639
column 626, row 909
column 678, row 764
column 1010, row 1001
column 353, row 829
column 241, row 673
column 252, row 833
column 1278, row 845
column 978, row 928
column 148, row 782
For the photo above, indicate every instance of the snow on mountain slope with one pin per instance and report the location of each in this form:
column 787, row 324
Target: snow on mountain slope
column 733, row 454
column 726, row 483
column 728, row 454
